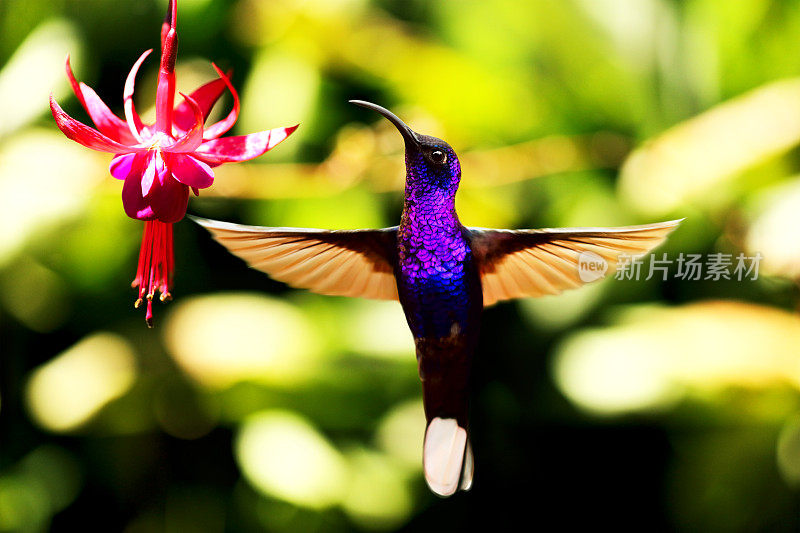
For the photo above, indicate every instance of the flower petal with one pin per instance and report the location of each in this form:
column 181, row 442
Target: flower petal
column 190, row 171
column 120, row 165
column 155, row 167
column 192, row 139
column 221, row 127
column 135, row 204
column 107, row 122
column 166, row 200
column 242, row 147
column 134, row 122
column 169, row 200
column 162, row 170
column 83, row 134
column 205, row 96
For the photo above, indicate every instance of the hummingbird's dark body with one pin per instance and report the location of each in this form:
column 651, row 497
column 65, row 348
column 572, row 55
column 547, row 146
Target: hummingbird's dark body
column 439, row 287
column 442, row 273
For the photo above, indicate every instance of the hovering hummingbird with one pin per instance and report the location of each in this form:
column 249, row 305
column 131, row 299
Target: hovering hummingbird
column 443, row 274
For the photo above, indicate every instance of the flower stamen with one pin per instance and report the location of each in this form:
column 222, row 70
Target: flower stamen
column 156, row 264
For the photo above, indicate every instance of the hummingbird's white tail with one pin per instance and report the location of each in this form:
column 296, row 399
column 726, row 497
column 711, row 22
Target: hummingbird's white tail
column 447, row 457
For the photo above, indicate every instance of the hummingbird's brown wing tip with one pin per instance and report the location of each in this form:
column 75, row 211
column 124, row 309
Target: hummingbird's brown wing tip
column 355, row 263
column 531, row 263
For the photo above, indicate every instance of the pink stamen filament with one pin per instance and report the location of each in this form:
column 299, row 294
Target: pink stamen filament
column 156, row 264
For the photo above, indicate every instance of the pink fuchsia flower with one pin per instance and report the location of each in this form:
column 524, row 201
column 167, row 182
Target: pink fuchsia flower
column 160, row 162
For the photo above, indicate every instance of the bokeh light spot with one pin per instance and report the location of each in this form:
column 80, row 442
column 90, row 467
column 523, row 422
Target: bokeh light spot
column 656, row 356
column 224, row 338
column 788, row 451
column 687, row 161
column 38, row 64
column 34, row 295
column 378, row 496
column 609, row 373
column 401, row 431
column 379, row 329
column 38, row 191
column 283, row 455
column 69, row 390
column 774, row 233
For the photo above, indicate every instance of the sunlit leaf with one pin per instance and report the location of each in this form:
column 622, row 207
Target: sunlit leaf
column 659, row 355
column 38, row 65
column 38, row 191
column 774, row 232
column 688, row 161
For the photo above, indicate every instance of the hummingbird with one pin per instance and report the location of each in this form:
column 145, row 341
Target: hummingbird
column 443, row 274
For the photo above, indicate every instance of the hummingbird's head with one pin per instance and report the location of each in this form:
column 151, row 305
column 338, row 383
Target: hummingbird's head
column 431, row 164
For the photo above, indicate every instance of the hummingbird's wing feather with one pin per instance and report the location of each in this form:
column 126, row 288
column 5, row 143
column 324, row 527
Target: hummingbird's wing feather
column 340, row 263
column 536, row 262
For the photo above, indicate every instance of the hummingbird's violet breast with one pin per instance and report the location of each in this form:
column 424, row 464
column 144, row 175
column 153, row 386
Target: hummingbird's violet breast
column 434, row 257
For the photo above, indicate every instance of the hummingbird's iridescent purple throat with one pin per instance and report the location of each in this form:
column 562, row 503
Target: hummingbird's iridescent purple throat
column 443, row 274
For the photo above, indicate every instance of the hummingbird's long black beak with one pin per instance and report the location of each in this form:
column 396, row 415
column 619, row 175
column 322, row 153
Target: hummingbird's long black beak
column 409, row 135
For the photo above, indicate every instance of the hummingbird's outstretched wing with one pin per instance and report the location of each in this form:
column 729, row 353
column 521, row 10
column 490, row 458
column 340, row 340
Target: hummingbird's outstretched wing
column 536, row 262
column 339, row 263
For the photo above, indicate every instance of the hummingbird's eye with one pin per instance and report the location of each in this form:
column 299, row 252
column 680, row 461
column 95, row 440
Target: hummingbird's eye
column 438, row 157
